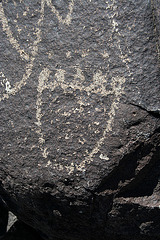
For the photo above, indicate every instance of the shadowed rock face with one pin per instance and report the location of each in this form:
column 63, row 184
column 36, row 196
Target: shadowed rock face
column 21, row 231
column 3, row 218
column 79, row 100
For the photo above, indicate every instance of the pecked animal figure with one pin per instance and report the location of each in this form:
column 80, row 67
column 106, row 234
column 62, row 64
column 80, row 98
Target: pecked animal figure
column 79, row 101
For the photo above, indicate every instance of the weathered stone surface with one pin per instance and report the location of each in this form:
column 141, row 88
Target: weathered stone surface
column 156, row 17
column 80, row 117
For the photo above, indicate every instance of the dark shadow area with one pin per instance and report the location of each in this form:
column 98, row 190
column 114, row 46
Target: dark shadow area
column 144, row 186
column 3, row 217
column 138, row 237
column 145, row 181
column 126, row 168
column 21, row 231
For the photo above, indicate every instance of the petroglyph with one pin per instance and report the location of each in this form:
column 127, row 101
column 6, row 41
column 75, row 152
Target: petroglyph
column 118, row 87
column 97, row 84
column 42, row 84
column 9, row 34
column 5, row 83
column 33, row 46
column 15, row 44
column 67, row 19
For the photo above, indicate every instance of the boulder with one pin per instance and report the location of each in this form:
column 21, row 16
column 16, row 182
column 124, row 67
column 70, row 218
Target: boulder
column 79, row 122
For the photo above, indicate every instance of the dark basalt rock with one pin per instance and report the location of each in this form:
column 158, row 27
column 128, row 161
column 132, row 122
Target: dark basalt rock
column 156, row 17
column 79, row 102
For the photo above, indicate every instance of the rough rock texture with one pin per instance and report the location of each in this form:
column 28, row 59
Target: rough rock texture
column 79, row 122
column 156, row 17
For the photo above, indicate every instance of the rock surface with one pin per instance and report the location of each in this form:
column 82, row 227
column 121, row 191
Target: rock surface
column 156, row 17
column 80, row 105
column 11, row 220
